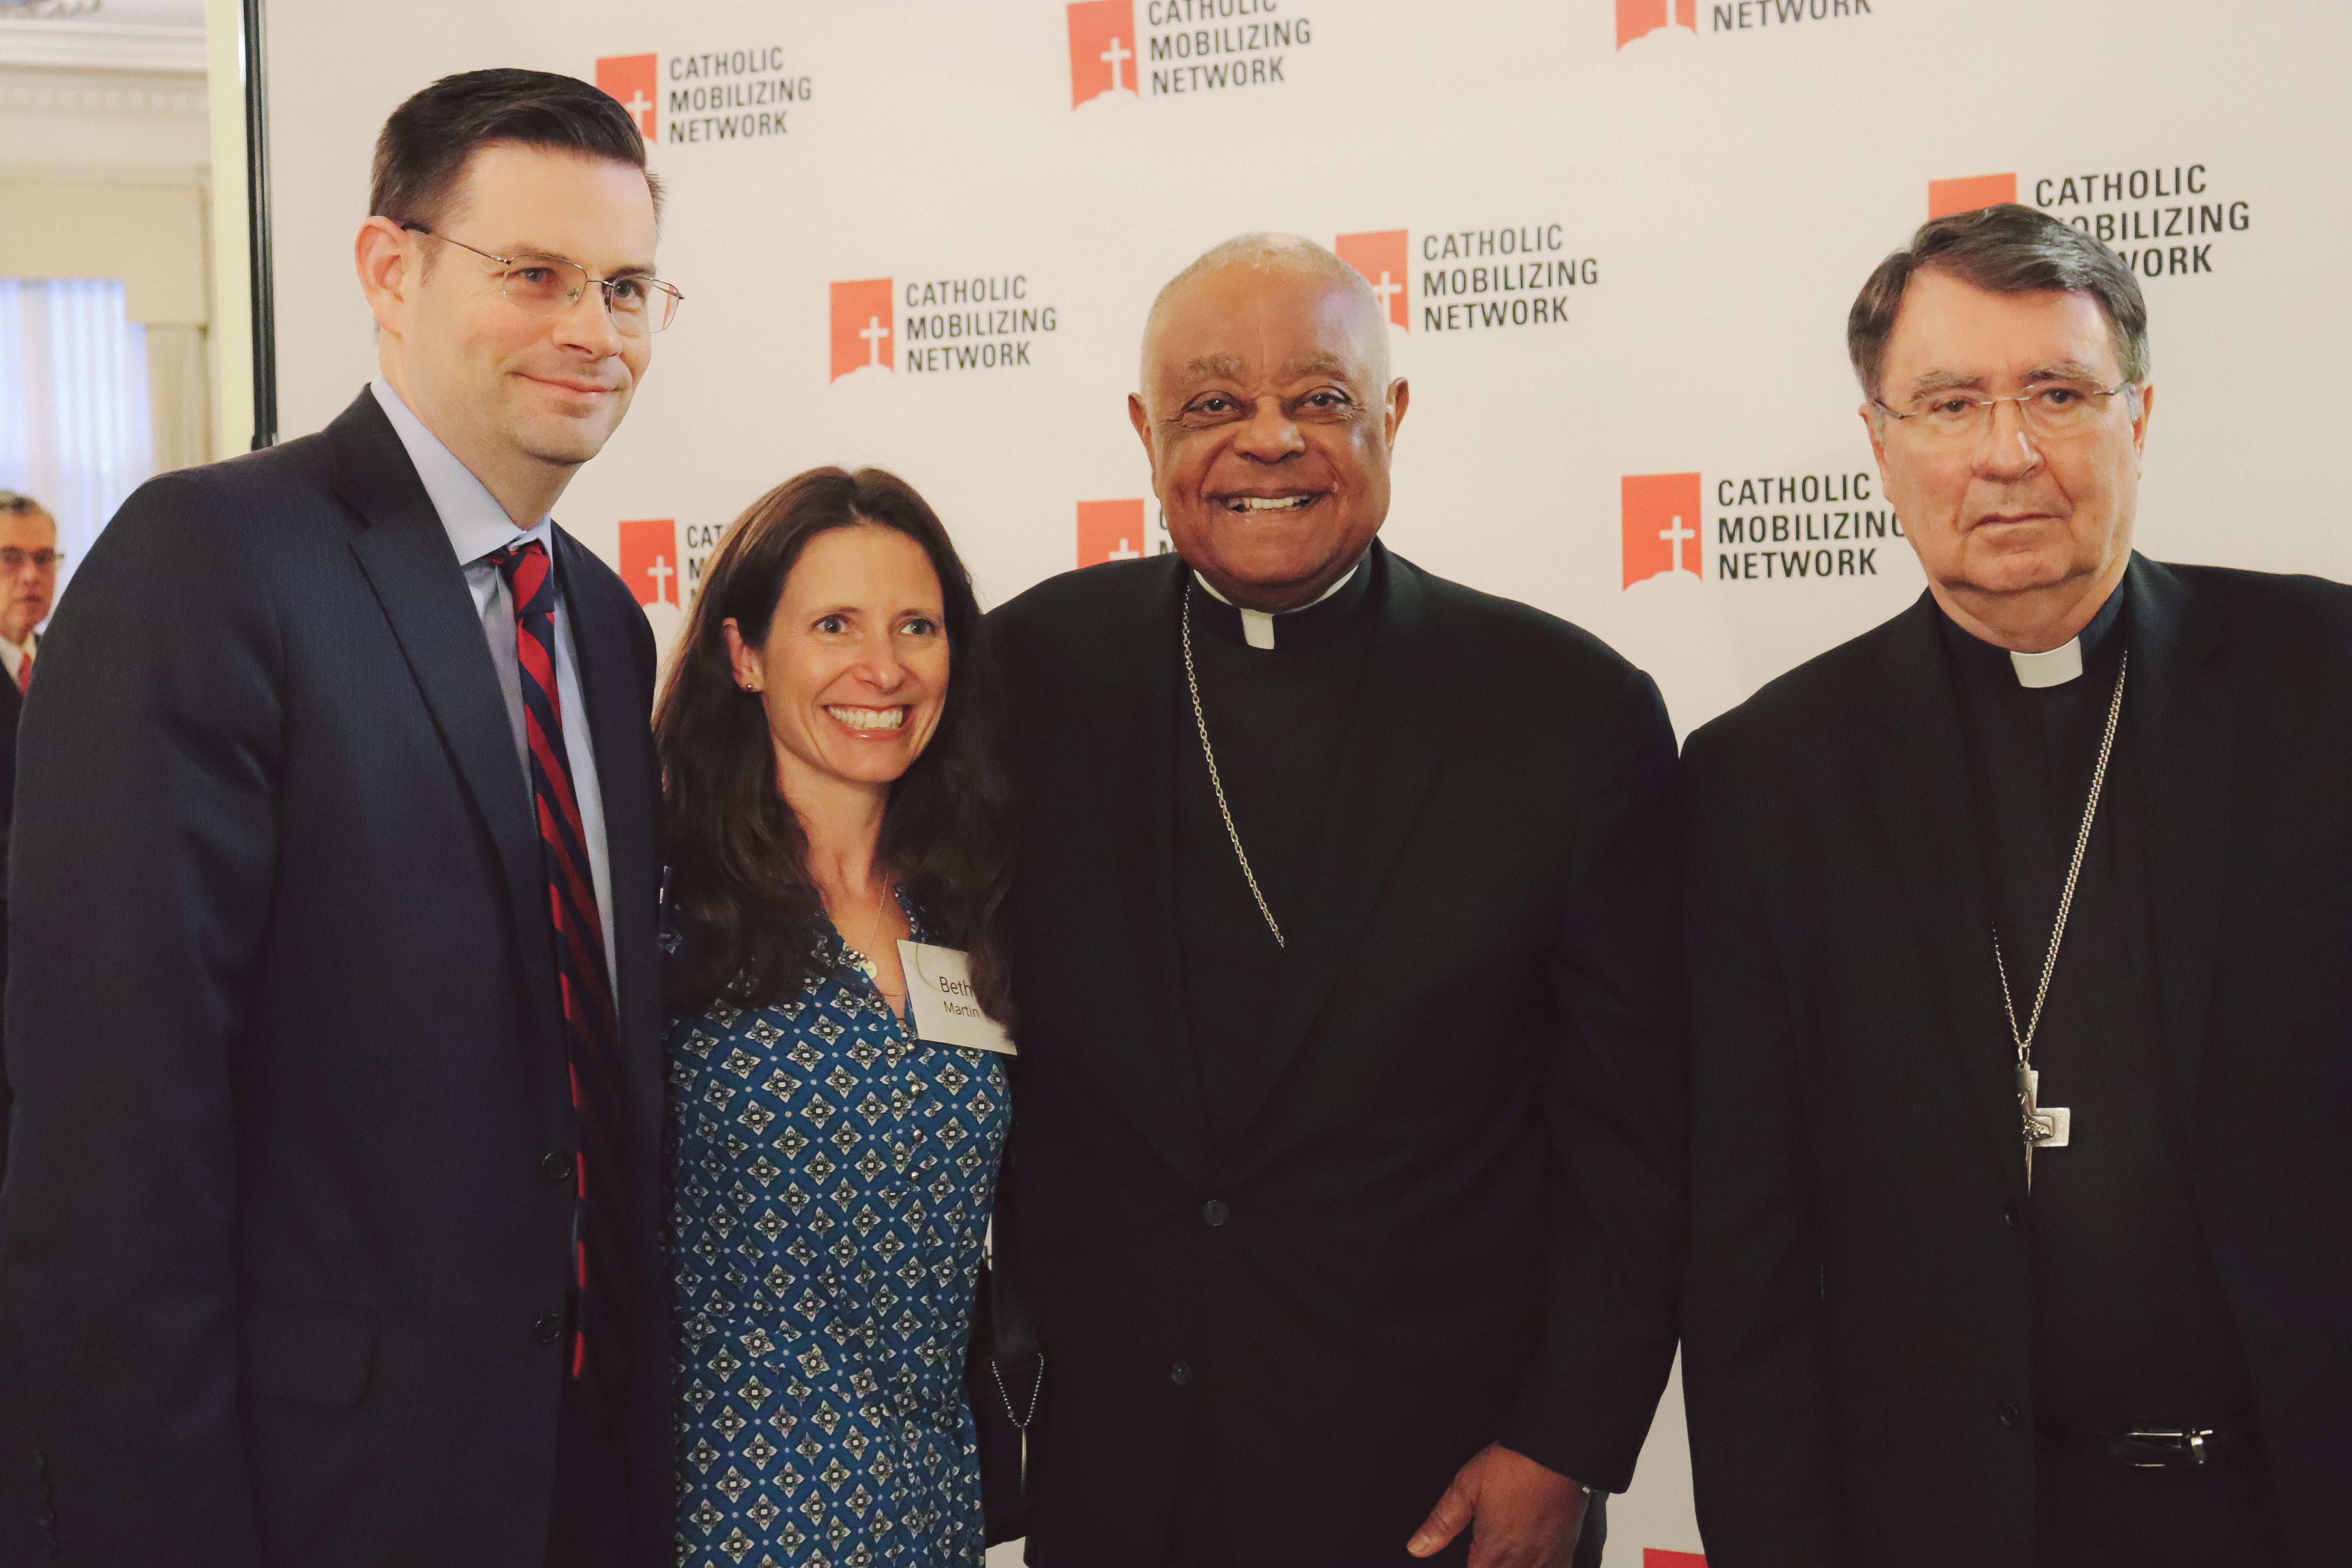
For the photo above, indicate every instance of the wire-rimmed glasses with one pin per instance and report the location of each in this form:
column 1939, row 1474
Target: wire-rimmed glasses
column 2053, row 410
column 549, row 285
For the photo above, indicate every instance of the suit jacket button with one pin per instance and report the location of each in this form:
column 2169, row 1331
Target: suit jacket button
column 1180, row 1373
column 1214, row 1212
column 2010, row 1416
column 555, row 1165
column 2012, row 1218
column 547, row 1330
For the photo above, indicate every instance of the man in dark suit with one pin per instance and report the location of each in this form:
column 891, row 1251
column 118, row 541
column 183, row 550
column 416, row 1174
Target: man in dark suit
column 1348, row 1172
column 331, row 1233
column 2022, row 1131
column 28, row 586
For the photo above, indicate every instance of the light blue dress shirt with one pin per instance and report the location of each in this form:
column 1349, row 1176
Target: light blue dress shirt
column 476, row 526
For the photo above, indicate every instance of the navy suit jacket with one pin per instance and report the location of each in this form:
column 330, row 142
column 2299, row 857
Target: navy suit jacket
column 282, row 1218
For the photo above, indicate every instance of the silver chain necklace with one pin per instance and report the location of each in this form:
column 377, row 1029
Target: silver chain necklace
column 2050, row 1128
column 1192, row 684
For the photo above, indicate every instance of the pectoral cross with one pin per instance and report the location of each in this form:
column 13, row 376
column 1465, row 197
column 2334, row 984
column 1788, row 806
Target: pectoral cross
column 2044, row 1128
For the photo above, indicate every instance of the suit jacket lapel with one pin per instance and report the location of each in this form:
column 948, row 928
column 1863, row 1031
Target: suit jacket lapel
column 2186, row 716
column 405, row 553
column 1395, row 741
column 1919, row 781
column 1133, row 704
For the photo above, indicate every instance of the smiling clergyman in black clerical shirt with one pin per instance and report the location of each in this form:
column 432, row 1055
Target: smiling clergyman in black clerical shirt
column 1348, row 1174
column 2022, row 1155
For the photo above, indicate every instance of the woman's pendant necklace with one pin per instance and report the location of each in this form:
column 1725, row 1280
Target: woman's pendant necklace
column 867, row 963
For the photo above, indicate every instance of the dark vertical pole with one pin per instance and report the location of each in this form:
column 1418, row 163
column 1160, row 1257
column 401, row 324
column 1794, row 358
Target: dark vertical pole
column 257, row 198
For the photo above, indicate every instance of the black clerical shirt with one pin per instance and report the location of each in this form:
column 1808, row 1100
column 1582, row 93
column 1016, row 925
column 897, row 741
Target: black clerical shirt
column 1276, row 717
column 2130, row 1319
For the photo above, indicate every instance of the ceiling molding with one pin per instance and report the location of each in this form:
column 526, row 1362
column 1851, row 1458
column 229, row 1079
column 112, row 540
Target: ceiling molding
column 103, row 47
column 138, row 174
column 143, row 97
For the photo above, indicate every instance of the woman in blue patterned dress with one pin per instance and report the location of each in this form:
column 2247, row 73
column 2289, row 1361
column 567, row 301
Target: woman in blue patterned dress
column 830, row 792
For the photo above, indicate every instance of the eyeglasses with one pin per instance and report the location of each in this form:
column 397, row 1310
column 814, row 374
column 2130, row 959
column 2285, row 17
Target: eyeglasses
column 549, row 285
column 2053, row 411
column 15, row 560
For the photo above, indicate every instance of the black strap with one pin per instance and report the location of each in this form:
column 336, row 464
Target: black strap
column 1003, row 1371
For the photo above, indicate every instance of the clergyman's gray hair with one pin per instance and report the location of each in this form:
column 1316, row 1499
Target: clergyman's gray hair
column 17, row 505
column 1267, row 250
column 2004, row 249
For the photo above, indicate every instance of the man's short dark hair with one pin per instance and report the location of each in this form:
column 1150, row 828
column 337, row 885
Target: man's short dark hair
column 428, row 143
column 16, row 505
column 2005, row 249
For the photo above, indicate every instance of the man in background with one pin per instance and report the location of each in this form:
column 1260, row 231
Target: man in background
column 1348, row 1184
column 28, row 581
column 330, row 1232
column 2021, row 1211
column 28, row 569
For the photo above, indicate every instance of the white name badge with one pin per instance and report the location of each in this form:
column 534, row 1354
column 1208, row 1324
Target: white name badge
column 939, row 989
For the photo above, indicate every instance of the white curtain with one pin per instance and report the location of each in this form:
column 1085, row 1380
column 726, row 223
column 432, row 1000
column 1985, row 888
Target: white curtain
column 77, row 433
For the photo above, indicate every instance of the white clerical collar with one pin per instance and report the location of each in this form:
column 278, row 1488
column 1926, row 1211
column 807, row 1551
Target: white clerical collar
column 1257, row 625
column 2056, row 668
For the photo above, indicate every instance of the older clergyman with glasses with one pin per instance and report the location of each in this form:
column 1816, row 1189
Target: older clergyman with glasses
column 2022, row 1021
column 331, row 1233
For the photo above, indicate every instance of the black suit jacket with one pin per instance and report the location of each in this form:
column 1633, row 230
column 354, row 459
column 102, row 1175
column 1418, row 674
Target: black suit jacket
column 12, row 708
column 1858, row 1319
column 1454, row 1213
column 285, row 1036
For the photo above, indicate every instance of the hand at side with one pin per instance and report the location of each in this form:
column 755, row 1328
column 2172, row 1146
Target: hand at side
column 1519, row 1515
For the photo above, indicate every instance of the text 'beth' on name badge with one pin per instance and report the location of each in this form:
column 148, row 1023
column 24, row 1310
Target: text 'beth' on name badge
column 939, row 989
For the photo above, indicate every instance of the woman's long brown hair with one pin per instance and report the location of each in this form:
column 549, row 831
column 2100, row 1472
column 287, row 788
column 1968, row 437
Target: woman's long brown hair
column 740, row 895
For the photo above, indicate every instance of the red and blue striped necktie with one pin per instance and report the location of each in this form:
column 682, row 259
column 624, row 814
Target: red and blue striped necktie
column 600, row 1344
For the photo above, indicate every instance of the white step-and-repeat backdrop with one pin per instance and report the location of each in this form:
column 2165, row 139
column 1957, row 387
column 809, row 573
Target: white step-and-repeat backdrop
column 1618, row 239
